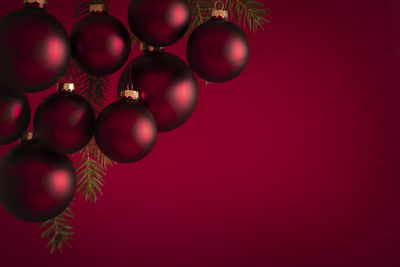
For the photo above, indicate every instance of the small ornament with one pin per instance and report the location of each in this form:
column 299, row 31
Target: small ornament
column 36, row 184
column 100, row 43
column 126, row 130
column 167, row 86
column 217, row 50
column 15, row 115
column 64, row 121
column 159, row 22
column 34, row 48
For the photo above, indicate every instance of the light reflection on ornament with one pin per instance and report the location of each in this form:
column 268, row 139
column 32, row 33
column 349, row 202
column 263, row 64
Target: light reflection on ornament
column 59, row 183
column 144, row 131
column 115, row 45
column 178, row 14
column 55, row 52
column 16, row 111
column 181, row 95
column 236, row 52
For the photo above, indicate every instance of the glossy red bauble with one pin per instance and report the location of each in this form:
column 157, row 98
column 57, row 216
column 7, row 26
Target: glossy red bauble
column 34, row 49
column 167, row 87
column 159, row 22
column 100, row 44
column 217, row 50
column 126, row 131
column 36, row 184
column 15, row 115
column 64, row 122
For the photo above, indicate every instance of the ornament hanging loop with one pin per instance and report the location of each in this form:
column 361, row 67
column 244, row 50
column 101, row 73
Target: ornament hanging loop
column 222, row 5
column 130, row 86
column 130, row 92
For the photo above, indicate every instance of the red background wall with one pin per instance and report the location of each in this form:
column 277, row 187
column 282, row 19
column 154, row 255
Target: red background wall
column 293, row 163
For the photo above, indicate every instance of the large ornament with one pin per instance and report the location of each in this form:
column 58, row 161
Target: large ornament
column 126, row 130
column 159, row 22
column 217, row 50
column 64, row 121
column 100, row 42
column 34, row 48
column 166, row 84
column 36, row 184
column 15, row 115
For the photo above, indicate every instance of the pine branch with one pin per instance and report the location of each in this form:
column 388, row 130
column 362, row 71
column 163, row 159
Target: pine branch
column 58, row 230
column 90, row 171
column 200, row 12
column 252, row 13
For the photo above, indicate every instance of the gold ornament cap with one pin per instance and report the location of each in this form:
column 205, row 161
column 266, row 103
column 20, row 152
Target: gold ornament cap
column 40, row 3
column 66, row 87
column 146, row 48
column 219, row 12
column 97, row 8
column 130, row 93
column 28, row 136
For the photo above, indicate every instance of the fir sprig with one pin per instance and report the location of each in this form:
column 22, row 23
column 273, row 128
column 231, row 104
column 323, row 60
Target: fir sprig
column 200, row 12
column 58, row 230
column 250, row 13
column 91, row 169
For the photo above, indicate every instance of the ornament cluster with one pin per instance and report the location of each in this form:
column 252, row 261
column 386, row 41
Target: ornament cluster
column 157, row 91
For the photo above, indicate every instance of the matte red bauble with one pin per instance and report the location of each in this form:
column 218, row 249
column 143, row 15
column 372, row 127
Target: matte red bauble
column 126, row 131
column 167, row 87
column 217, row 50
column 100, row 42
column 34, row 49
column 15, row 115
column 36, row 184
column 64, row 121
column 159, row 22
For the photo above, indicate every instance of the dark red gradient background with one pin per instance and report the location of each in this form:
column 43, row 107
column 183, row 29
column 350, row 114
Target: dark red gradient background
column 293, row 163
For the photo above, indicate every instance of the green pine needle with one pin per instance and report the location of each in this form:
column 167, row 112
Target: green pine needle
column 58, row 231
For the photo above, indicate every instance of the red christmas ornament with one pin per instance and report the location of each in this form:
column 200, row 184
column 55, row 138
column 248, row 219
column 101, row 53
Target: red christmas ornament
column 34, row 48
column 159, row 22
column 217, row 50
column 100, row 42
column 126, row 130
column 15, row 115
column 36, row 184
column 64, row 121
column 167, row 87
